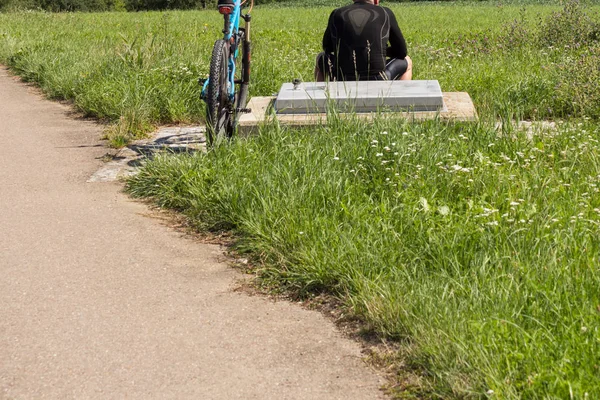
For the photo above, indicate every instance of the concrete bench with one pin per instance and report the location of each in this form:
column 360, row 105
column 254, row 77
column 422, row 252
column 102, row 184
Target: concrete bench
column 307, row 104
column 361, row 97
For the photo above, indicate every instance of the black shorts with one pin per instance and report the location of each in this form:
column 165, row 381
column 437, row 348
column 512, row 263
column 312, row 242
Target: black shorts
column 394, row 69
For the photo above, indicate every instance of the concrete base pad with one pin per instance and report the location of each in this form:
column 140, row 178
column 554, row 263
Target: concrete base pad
column 458, row 106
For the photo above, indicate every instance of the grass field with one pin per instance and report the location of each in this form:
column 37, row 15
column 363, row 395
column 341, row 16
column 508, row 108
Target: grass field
column 477, row 250
column 139, row 70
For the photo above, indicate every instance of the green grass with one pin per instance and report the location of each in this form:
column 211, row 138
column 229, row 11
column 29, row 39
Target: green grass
column 477, row 250
column 140, row 70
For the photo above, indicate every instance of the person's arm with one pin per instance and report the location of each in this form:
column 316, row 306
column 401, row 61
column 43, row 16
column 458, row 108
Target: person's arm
column 328, row 45
column 398, row 44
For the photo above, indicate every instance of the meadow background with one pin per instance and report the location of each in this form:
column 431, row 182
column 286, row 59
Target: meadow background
column 474, row 247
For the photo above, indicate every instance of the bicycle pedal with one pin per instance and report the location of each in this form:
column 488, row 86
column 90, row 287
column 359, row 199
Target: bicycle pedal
column 243, row 110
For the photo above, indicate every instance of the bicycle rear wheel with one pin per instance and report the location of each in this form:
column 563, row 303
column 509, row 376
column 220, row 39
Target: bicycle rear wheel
column 218, row 105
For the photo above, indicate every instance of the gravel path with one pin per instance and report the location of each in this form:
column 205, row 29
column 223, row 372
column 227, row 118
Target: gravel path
column 100, row 301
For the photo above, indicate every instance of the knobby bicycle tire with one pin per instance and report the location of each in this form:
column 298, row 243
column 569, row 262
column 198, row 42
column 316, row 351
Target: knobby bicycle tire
column 218, row 107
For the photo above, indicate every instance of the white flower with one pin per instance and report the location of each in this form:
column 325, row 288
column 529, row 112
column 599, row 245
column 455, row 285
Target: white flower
column 514, row 203
column 404, row 133
column 460, row 168
column 424, row 204
column 336, row 158
column 444, row 210
column 384, row 133
column 379, row 155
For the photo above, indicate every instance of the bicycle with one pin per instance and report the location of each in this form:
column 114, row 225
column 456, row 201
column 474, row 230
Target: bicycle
column 223, row 102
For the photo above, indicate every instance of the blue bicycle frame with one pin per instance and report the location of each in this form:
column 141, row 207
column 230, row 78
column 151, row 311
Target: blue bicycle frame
column 231, row 30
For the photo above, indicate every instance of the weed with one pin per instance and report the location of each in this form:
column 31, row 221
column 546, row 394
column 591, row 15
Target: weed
column 571, row 27
column 578, row 88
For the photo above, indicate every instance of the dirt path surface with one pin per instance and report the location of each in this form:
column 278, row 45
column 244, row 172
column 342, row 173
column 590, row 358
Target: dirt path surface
column 99, row 301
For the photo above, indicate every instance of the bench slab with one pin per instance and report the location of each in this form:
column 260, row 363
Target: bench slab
column 359, row 96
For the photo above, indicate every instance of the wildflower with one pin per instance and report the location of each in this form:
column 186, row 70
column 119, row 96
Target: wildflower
column 514, row 203
column 404, row 133
column 387, row 148
column 384, row 133
column 460, row 169
column 444, row 210
column 336, row 158
column 424, row 204
column 379, row 155
column 374, row 141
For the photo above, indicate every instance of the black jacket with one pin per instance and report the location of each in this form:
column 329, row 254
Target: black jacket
column 357, row 36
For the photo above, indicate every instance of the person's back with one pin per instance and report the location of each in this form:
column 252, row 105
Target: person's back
column 355, row 42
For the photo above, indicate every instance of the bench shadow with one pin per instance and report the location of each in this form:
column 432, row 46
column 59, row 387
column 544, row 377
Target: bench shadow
column 173, row 144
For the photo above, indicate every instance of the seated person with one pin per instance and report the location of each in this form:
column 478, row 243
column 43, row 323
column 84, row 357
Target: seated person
column 355, row 45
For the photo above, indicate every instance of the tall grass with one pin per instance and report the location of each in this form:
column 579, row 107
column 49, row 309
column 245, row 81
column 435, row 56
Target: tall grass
column 479, row 251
